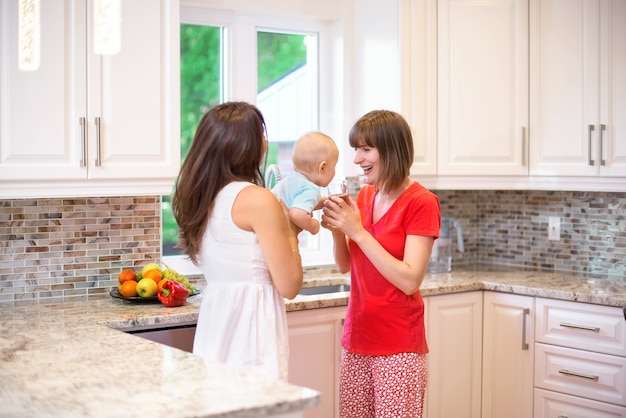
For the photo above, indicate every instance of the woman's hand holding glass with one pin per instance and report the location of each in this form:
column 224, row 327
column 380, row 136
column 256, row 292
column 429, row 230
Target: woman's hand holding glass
column 338, row 188
column 340, row 214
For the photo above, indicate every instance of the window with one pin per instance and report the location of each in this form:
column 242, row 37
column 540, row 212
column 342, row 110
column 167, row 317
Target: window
column 219, row 54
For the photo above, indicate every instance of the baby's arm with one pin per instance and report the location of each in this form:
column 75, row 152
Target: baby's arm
column 303, row 220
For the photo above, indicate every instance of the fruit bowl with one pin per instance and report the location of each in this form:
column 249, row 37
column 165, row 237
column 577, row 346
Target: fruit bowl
column 136, row 299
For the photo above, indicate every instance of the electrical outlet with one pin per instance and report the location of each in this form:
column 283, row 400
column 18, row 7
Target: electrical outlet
column 554, row 228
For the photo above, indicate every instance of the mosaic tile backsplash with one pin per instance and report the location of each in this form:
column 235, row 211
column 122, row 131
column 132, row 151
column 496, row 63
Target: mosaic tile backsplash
column 65, row 248
column 510, row 228
column 75, row 247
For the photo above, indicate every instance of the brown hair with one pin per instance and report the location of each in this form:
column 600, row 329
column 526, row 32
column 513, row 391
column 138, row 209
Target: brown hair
column 228, row 146
column 390, row 134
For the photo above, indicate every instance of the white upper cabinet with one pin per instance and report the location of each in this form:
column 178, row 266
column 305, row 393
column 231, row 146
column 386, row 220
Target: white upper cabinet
column 86, row 123
column 482, row 87
column 578, row 90
column 418, row 21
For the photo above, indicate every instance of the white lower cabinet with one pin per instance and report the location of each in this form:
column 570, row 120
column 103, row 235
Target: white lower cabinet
column 315, row 355
column 491, row 355
column 550, row 404
column 508, row 348
column 580, row 364
column 454, row 333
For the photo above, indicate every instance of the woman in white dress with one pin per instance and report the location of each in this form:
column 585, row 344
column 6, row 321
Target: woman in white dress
column 240, row 235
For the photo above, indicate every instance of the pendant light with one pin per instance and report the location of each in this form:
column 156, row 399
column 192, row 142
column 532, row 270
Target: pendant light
column 29, row 35
column 107, row 26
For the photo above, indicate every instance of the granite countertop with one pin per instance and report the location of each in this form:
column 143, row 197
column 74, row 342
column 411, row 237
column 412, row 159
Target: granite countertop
column 70, row 358
column 600, row 291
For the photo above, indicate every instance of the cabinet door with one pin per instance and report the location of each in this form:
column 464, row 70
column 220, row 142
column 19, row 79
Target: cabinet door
column 578, row 88
column 454, row 331
column 134, row 96
column 315, row 355
column 419, row 80
column 40, row 111
column 84, row 116
column 508, row 349
column 612, row 128
column 483, row 87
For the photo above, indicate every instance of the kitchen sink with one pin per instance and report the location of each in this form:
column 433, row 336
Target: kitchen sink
column 320, row 290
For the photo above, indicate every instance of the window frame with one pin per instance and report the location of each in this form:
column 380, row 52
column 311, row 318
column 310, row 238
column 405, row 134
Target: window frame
column 239, row 69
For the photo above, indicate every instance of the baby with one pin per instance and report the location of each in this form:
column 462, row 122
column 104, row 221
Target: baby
column 315, row 156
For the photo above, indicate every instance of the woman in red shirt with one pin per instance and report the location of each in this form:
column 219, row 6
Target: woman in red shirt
column 384, row 240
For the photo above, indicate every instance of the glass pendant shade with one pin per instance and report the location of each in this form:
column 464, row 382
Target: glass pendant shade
column 29, row 36
column 107, row 29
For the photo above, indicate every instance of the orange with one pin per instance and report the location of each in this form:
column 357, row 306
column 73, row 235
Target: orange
column 161, row 283
column 128, row 288
column 153, row 274
column 127, row 275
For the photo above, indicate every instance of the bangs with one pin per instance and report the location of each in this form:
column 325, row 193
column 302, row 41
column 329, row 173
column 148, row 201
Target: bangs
column 358, row 138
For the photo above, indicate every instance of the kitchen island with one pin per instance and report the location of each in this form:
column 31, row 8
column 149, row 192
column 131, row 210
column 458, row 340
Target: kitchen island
column 71, row 358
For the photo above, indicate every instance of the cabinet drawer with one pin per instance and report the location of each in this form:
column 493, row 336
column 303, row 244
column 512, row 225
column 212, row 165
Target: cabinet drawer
column 581, row 325
column 557, row 405
column 591, row 375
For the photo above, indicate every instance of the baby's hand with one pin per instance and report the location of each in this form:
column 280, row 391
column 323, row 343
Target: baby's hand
column 288, row 219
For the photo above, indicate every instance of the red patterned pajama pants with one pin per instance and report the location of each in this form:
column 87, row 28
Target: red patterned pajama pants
column 382, row 386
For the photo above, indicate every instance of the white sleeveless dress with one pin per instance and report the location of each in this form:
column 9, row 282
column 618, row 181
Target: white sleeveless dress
column 242, row 319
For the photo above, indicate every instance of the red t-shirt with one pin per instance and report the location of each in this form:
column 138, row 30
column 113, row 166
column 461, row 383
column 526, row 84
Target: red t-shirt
column 381, row 319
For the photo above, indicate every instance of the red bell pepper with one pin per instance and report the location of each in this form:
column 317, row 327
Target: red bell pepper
column 173, row 293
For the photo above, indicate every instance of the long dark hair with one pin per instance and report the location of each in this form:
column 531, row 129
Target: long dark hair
column 228, row 146
column 390, row 134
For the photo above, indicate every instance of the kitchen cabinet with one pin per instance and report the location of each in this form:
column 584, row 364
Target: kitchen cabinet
column 454, row 335
column 482, row 84
column 580, row 364
column 315, row 355
column 508, row 350
column 419, row 80
column 578, row 88
column 90, row 124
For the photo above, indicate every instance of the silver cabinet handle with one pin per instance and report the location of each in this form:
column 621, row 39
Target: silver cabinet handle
column 591, row 161
column 584, row 376
column 97, row 120
column 585, row 327
column 602, row 130
column 524, row 315
column 83, row 137
column 523, row 145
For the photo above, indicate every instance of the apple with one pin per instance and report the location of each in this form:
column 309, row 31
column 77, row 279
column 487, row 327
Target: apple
column 146, row 288
column 151, row 266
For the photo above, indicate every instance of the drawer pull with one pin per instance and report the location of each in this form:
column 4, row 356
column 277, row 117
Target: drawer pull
column 585, row 327
column 584, row 376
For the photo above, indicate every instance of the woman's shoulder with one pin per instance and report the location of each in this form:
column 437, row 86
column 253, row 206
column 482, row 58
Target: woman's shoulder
column 418, row 189
column 253, row 193
column 420, row 196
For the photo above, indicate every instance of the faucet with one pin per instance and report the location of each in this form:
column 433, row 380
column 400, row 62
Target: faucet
column 272, row 173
